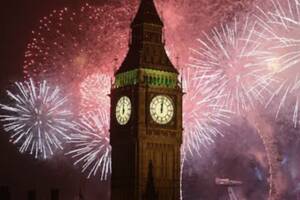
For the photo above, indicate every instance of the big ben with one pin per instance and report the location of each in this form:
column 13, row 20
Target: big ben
column 146, row 116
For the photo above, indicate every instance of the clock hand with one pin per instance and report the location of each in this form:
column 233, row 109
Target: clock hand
column 162, row 106
column 123, row 110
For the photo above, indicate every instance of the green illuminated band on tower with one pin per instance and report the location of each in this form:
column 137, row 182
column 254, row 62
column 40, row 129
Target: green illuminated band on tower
column 151, row 77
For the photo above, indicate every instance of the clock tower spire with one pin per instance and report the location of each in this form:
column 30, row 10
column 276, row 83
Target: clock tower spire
column 146, row 116
column 147, row 47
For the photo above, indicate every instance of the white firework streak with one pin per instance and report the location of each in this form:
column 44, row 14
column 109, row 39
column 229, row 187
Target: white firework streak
column 90, row 145
column 202, row 117
column 231, row 56
column 286, row 90
column 281, row 25
column 37, row 118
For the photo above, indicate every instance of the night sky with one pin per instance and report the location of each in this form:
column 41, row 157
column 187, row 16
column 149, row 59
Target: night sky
column 21, row 172
column 17, row 20
column 243, row 160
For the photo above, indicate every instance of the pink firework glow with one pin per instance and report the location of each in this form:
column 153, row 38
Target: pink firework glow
column 202, row 117
column 94, row 91
column 73, row 43
column 281, row 25
column 70, row 44
column 230, row 56
column 189, row 18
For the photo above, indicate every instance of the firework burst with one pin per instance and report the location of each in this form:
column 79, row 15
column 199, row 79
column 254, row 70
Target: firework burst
column 94, row 91
column 231, row 56
column 202, row 117
column 281, row 25
column 90, row 144
column 70, row 43
column 37, row 118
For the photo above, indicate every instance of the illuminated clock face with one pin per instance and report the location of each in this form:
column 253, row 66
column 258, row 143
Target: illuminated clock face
column 123, row 110
column 161, row 109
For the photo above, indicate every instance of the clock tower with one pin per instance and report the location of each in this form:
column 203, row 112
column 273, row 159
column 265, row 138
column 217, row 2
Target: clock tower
column 146, row 116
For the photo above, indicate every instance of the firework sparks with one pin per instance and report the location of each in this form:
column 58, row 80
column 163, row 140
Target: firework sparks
column 72, row 42
column 202, row 117
column 281, row 25
column 230, row 56
column 37, row 118
column 69, row 44
column 90, row 144
column 94, row 92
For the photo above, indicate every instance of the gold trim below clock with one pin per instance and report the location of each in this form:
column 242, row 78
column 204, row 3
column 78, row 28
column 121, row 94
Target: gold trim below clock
column 162, row 109
column 123, row 110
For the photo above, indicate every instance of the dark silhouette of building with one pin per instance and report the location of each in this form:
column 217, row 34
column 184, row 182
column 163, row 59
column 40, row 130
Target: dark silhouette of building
column 31, row 195
column 150, row 193
column 146, row 116
column 54, row 194
column 80, row 195
column 5, row 193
